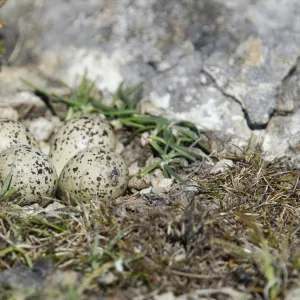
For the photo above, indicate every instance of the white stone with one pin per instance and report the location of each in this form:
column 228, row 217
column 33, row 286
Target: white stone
column 9, row 113
column 165, row 296
column 119, row 147
column 163, row 186
column 144, row 138
column 221, row 166
column 146, row 191
column 134, row 169
column 41, row 129
column 293, row 294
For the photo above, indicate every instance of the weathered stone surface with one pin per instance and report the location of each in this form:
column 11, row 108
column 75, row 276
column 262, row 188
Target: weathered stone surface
column 283, row 138
column 293, row 294
column 27, row 281
column 229, row 66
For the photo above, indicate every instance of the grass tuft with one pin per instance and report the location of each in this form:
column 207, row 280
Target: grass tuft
column 170, row 140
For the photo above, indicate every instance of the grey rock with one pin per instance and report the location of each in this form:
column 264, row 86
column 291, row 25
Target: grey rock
column 26, row 280
column 221, row 166
column 293, row 294
column 282, row 139
column 8, row 113
column 229, row 66
column 41, row 128
column 21, row 279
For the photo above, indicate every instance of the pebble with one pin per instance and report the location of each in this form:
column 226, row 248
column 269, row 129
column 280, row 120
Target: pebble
column 9, row 113
column 293, row 294
column 159, row 183
column 221, row 166
column 41, row 129
column 146, row 191
column 134, row 169
column 165, row 296
column 163, row 186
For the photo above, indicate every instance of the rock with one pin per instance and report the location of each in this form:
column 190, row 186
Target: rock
column 9, row 113
column 163, row 186
column 119, row 147
column 144, row 138
column 293, row 294
column 20, row 98
column 140, row 183
column 282, row 139
column 221, row 166
column 165, row 296
column 216, row 63
column 60, row 279
column 21, row 279
column 41, row 129
column 134, row 169
column 24, row 280
column 107, row 278
column 146, row 191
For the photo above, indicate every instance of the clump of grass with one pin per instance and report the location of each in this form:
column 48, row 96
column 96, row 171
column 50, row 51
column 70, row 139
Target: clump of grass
column 170, row 140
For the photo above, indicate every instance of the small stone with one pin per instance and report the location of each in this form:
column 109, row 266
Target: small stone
column 23, row 97
column 41, row 129
column 144, row 138
column 293, row 294
column 70, row 279
column 9, row 113
column 54, row 207
column 146, row 191
column 107, row 278
column 116, row 124
column 134, row 169
column 160, row 184
column 139, row 183
column 119, row 147
column 147, row 107
column 180, row 256
column 21, row 278
column 163, row 186
column 221, row 166
column 165, row 296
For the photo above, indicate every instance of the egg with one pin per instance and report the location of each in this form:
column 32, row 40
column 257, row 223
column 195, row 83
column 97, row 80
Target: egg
column 78, row 134
column 33, row 174
column 14, row 133
column 93, row 174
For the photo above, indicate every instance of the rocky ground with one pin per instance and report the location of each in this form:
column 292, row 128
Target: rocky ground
column 231, row 232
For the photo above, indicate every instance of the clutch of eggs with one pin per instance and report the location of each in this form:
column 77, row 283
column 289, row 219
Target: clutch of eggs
column 81, row 152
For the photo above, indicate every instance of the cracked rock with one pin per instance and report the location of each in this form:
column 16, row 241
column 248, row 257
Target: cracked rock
column 229, row 66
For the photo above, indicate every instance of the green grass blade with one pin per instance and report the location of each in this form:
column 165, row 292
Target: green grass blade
column 6, row 184
column 172, row 173
column 47, row 224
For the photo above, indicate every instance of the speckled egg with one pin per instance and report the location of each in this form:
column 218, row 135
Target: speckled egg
column 93, row 174
column 78, row 134
column 14, row 133
column 33, row 174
